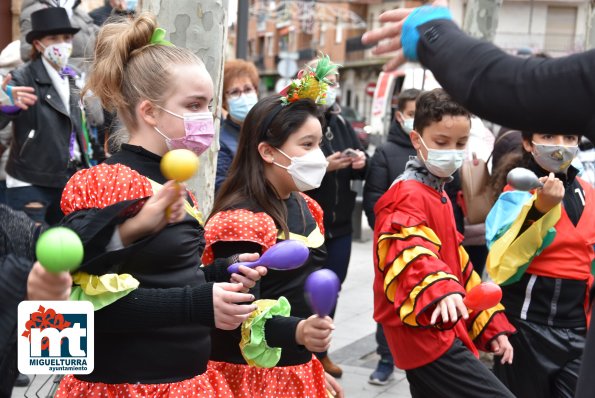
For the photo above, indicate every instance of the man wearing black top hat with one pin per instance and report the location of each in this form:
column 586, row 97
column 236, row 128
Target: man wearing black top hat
column 49, row 143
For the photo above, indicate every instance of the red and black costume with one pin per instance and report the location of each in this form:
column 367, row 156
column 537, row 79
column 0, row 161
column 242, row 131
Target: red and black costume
column 155, row 339
column 419, row 261
column 248, row 228
column 544, row 264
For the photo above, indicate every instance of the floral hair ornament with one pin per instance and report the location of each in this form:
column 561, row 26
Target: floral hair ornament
column 311, row 83
column 158, row 38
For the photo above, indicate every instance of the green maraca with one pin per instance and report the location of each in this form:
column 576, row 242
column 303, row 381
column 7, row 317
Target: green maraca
column 59, row 249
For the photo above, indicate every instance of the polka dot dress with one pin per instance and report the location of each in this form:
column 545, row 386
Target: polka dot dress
column 316, row 211
column 102, row 186
column 210, row 384
column 246, row 226
column 307, row 380
column 239, row 225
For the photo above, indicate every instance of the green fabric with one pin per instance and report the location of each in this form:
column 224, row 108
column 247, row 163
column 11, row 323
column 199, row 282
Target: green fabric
column 102, row 290
column 547, row 240
column 158, row 37
column 254, row 347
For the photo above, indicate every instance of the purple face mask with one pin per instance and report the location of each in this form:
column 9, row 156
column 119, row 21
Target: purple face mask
column 199, row 128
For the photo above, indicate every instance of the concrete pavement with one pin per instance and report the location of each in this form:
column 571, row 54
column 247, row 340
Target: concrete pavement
column 353, row 346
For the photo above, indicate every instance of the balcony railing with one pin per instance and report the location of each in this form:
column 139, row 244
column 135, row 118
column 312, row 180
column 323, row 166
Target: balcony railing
column 355, row 44
column 306, row 54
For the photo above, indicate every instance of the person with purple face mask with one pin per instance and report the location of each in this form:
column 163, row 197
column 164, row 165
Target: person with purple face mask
column 541, row 251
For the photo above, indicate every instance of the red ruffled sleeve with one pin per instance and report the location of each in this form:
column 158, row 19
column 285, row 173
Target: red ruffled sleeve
column 415, row 278
column 102, row 186
column 316, row 211
column 239, row 225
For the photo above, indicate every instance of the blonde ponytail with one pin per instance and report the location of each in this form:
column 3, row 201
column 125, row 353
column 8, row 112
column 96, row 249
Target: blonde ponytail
column 128, row 68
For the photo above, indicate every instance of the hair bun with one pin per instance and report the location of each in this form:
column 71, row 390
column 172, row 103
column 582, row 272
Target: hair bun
column 138, row 34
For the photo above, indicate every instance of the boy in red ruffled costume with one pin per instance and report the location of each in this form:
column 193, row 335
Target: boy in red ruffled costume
column 423, row 272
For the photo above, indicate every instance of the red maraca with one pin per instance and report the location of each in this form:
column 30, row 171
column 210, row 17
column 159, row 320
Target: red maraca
column 322, row 289
column 285, row 255
column 483, row 296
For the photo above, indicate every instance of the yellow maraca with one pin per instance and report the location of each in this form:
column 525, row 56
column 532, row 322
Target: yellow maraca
column 179, row 165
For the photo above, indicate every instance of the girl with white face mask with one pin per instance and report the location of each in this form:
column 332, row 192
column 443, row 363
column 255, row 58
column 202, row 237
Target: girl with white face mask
column 542, row 243
column 260, row 204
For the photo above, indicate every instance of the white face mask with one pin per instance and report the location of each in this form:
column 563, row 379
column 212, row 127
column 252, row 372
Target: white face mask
column 442, row 162
column 331, row 96
column 58, row 53
column 307, row 171
column 407, row 125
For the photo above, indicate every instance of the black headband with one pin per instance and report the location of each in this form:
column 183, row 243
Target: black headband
column 270, row 117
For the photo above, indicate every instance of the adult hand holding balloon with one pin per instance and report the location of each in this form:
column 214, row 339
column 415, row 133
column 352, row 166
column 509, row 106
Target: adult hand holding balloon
column 59, row 249
column 285, row 255
column 179, row 165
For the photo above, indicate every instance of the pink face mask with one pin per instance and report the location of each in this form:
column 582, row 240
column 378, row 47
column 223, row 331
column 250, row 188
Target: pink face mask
column 199, row 128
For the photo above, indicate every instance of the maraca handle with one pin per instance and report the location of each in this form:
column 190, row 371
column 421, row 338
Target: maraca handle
column 236, row 266
column 168, row 209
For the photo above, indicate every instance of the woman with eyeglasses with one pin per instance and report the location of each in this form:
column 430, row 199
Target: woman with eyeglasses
column 240, row 93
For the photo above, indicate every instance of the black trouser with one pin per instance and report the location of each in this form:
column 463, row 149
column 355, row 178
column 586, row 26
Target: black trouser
column 586, row 382
column 546, row 361
column 458, row 374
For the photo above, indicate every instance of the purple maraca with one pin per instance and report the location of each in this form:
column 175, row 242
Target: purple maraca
column 322, row 288
column 283, row 256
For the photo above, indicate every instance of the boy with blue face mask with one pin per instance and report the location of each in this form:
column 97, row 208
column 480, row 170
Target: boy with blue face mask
column 541, row 253
column 422, row 271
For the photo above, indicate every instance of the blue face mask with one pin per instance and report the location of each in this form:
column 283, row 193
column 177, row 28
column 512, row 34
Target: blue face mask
column 239, row 107
column 131, row 5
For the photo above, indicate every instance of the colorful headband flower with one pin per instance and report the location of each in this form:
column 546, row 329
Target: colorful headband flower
column 312, row 83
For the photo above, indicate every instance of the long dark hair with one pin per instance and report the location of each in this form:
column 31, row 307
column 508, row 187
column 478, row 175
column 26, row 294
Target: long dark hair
column 268, row 121
column 508, row 162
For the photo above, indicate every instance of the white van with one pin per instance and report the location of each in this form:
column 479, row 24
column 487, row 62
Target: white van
column 388, row 87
